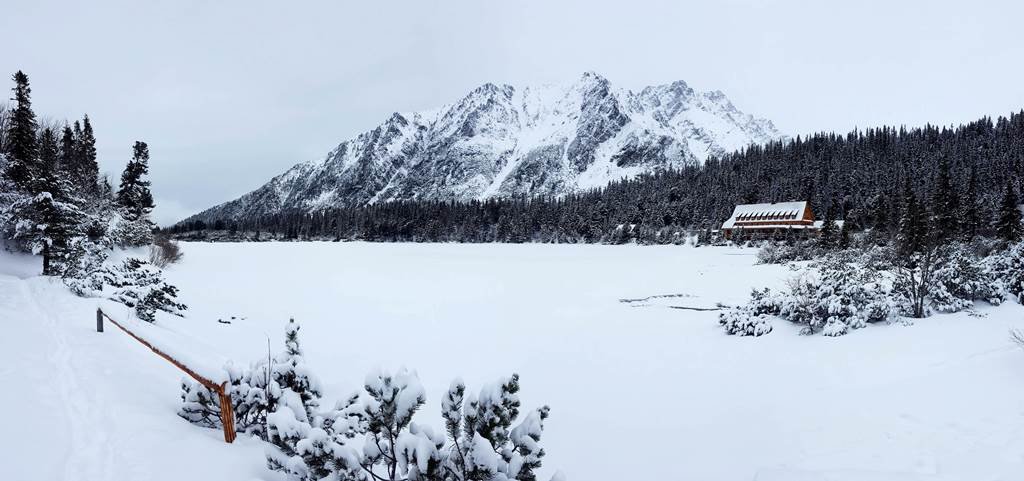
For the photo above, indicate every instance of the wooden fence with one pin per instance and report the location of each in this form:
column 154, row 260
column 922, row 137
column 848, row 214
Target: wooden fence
column 227, row 414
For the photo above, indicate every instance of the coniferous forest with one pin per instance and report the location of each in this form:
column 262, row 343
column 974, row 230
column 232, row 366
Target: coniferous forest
column 964, row 175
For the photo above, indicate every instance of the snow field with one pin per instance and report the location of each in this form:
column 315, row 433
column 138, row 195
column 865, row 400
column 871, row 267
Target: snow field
column 638, row 390
column 644, row 392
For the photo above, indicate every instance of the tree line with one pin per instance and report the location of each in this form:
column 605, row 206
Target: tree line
column 968, row 175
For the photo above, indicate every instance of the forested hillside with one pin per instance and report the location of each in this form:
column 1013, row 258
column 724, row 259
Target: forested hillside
column 862, row 176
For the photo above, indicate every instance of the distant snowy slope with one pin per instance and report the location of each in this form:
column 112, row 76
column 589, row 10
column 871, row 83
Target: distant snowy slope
column 501, row 140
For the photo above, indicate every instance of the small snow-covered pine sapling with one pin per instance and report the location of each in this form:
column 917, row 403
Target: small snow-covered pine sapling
column 140, row 285
column 291, row 373
column 393, row 400
column 485, row 446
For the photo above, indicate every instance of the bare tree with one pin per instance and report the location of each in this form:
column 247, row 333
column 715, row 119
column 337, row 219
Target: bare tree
column 914, row 275
column 52, row 123
column 5, row 117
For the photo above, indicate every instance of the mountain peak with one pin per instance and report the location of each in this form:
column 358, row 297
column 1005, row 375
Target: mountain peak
column 501, row 140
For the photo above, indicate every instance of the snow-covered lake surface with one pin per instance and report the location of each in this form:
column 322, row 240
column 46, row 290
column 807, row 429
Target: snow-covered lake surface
column 638, row 390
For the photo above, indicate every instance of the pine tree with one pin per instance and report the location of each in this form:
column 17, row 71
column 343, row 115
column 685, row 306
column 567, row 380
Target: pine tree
column 89, row 170
column 913, row 231
column 134, row 201
column 844, row 236
column 290, row 371
column 45, row 227
column 21, row 137
column 945, row 203
column 48, row 179
column 134, row 196
column 1008, row 224
column 68, row 153
column 971, row 218
column 827, row 236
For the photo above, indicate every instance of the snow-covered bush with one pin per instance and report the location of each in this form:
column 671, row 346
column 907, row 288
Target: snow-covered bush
column 164, row 251
column 140, row 284
column 84, row 269
column 128, row 232
column 751, row 319
column 833, row 297
column 373, row 436
column 780, row 253
column 256, row 390
column 1007, row 268
column 250, row 390
column 961, row 279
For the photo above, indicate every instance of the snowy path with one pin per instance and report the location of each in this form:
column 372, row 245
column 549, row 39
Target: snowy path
column 92, row 406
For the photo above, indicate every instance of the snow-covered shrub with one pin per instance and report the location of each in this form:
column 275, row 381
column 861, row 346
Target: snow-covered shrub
column 485, row 443
column 780, row 253
column 256, row 390
column 164, row 251
column 751, row 319
column 373, row 436
column 741, row 321
column 1007, row 268
column 961, row 279
column 839, row 294
column 128, row 232
column 249, row 390
column 84, row 270
column 140, row 284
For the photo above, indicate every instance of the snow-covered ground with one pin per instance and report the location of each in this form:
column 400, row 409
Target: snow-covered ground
column 639, row 390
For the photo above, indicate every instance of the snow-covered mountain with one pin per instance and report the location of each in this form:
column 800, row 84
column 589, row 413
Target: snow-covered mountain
column 501, row 140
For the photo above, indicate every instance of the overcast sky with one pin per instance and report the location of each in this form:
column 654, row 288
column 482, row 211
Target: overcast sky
column 230, row 93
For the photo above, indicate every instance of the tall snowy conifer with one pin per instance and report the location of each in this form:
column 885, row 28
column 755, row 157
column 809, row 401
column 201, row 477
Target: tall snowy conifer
column 913, row 233
column 89, row 170
column 21, row 146
column 48, row 179
column 970, row 224
column 945, row 203
column 1008, row 224
column 828, row 236
column 134, row 196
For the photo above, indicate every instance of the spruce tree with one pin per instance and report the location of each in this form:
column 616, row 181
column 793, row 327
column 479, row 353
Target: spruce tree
column 844, row 235
column 945, row 203
column 828, row 234
column 88, row 170
column 68, row 153
column 970, row 224
column 21, row 136
column 913, row 230
column 1008, row 224
column 48, row 179
column 134, row 196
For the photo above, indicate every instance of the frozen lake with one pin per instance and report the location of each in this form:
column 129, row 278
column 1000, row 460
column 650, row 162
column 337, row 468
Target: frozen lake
column 638, row 390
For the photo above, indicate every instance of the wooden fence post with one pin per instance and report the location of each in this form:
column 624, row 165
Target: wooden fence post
column 227, row 413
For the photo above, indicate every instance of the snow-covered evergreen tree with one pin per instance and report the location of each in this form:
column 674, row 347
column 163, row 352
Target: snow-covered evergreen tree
column 1008, row 224
column 945, row 203
column 135, row 201
column 140, row 285
column 84, row 270
column 20, row 138
column 292, row 374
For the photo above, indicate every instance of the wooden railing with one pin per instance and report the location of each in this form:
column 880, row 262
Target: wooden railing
column 227, row 414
